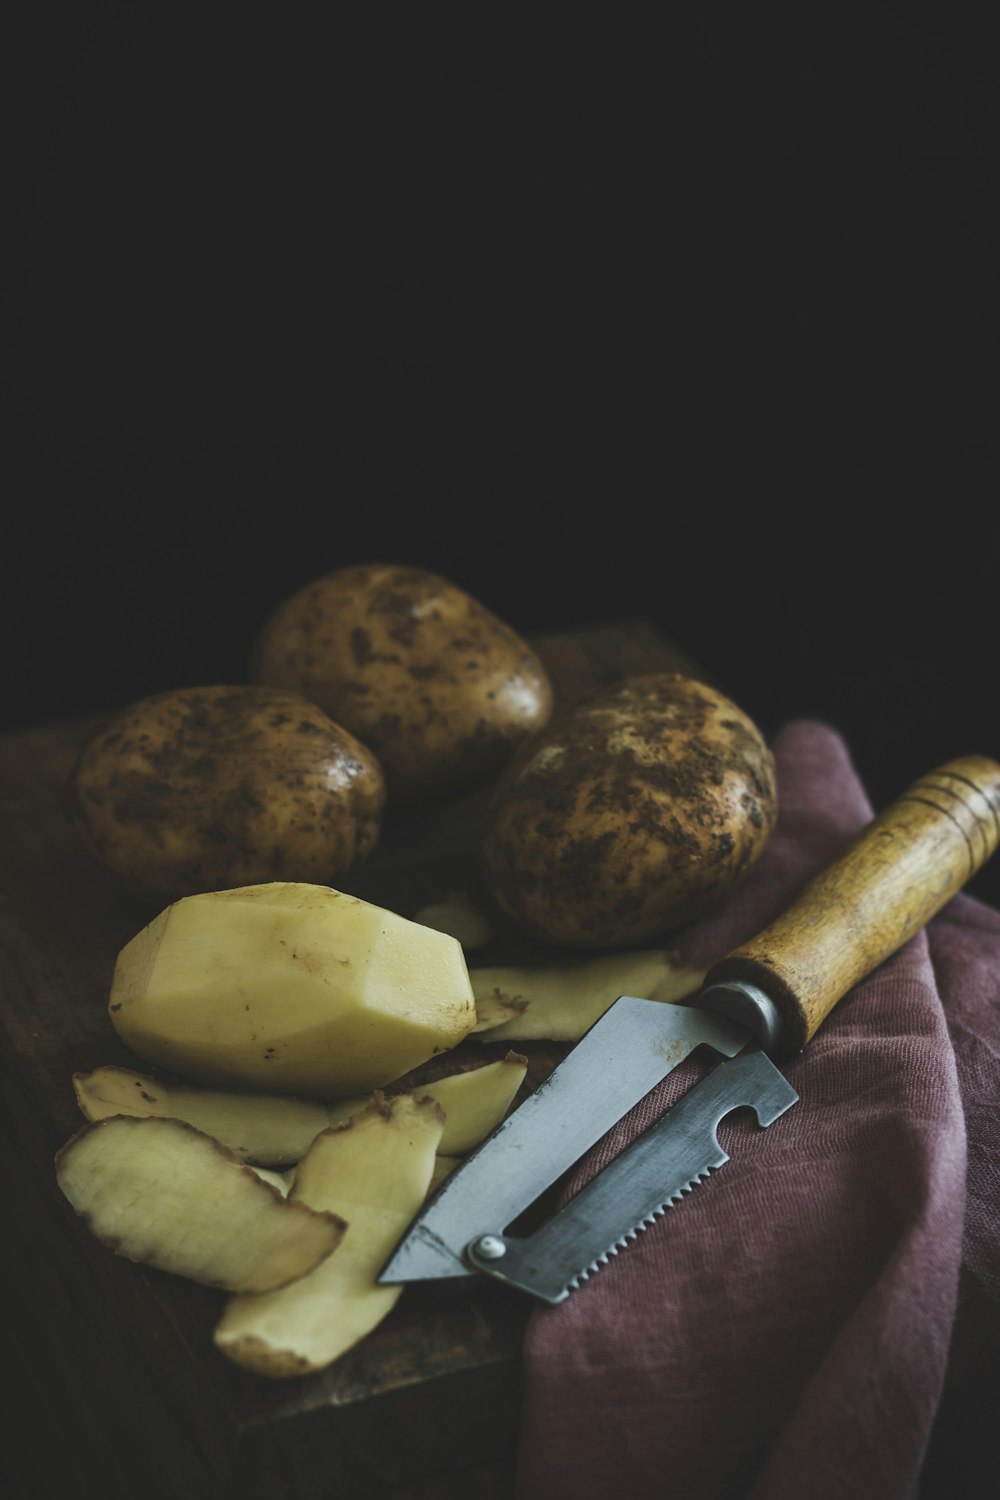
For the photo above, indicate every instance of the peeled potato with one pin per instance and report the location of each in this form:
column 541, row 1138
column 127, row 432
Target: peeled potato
column 163, row 1193
column 290, row 989
column 375, row 1172
column 210, row 787
column 559, row 1002
column 431, row 680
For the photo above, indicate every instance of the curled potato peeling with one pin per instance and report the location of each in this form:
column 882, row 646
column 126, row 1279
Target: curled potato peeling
column 268, row 1130
column 559, row 1002
column 375, row 1172
column 163, row 1193
column 265, row 1129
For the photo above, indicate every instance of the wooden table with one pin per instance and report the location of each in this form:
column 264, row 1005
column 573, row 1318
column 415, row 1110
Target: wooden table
column 117, row 1388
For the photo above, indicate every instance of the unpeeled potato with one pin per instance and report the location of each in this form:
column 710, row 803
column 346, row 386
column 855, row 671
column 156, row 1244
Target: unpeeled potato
column 631, row 814
column 438, row 687
column 206, row 788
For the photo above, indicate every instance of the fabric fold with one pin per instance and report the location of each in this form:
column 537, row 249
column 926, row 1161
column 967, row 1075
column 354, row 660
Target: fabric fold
column 784, row 1334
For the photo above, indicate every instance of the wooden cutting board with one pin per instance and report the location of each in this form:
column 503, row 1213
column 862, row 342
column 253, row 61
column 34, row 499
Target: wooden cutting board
column 117, row 1387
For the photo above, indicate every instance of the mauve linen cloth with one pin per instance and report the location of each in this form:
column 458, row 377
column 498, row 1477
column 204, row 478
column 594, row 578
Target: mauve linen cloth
column 820, row 1319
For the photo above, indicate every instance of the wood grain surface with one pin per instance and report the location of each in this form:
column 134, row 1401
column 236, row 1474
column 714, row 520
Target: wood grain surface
column 118, row 1389
column 898, row 872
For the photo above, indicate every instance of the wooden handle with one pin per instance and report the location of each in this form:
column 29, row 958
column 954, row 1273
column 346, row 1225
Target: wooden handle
column 896, row 874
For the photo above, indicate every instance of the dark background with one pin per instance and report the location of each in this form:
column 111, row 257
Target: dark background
column 692, row 318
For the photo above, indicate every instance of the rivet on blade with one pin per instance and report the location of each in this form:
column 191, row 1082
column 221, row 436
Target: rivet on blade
column 489, row 1247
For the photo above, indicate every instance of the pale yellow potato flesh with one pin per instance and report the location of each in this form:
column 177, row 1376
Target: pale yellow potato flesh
column 280, row 1180
column 559, row 1002
column 457, row 917
column 164, row 1194
column 265, row 1129
column 496, row 1008
column 474, row 1101
column 375, row 1173
column 443, row 1167
column 269, row 1130
column 291, row 989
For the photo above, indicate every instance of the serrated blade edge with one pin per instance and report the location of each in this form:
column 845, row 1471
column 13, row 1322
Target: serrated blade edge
column 625, row 1239
column 656, row 1172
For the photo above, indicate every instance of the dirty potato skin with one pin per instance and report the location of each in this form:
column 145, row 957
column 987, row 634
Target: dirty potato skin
column 631, row 815
column 207, row 788
column 439, row 688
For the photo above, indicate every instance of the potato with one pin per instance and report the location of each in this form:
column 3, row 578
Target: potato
column 208, row 787
column 289, row 988
column 439, row 688
column 632, row 814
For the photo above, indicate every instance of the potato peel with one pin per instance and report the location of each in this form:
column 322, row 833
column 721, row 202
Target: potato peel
column 264, row 1129
column 457, row 916
column 475, row 1101
column 164, row 1194
column 559, row 1002
column 375, row 1173
column 495, row 1007
column 271, row 1131
column 280, row 1180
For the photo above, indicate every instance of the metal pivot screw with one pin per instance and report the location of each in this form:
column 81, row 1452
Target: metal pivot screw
column 489, row 1247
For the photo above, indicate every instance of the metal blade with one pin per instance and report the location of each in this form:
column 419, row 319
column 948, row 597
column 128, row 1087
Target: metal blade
column 673, row 1156
column 625, row 1053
